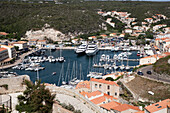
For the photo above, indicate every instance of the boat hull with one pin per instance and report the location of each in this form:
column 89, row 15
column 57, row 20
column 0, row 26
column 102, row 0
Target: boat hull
column 92, row 53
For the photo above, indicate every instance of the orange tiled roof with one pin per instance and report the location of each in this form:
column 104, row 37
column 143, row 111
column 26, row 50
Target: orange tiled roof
column 140, row 112
column 100, row 12
column 33, row 39
column 2, row 49
column 103, row 35
column 167, row 53
column 19, row 42
column 98, row 100
column 41, row 40
column 94, row 93
column 93, row 36
column 124, row 107
column 149, row 18
column 110, row 105
column 102, row 99
column 104, row 81
column 84, row 84
column 113, row 11
column 3, row 33
column 158, row 106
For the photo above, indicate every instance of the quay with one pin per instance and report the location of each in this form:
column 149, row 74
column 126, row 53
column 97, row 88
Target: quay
column 112, row 60
column 102, row 66
column 21, row 58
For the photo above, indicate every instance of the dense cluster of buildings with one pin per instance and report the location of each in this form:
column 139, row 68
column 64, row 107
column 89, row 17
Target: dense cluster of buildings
column 8, row 48
column 105, row 94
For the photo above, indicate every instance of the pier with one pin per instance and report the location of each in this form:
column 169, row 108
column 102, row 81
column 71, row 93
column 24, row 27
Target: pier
column 102, row 66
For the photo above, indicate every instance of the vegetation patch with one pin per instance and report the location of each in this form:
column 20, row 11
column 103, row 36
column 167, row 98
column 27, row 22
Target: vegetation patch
column 141, row 86
column 162, row 66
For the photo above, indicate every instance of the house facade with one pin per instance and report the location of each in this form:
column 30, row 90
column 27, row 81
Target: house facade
column 109, row 87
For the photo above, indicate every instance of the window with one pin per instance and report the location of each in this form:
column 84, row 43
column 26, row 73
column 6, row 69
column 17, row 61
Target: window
column 115, row 94
column 100, row 85
column 95, row 85
column 108, row 93
column 108, row 87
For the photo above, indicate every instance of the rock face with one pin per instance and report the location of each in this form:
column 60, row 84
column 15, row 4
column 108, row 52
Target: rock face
column 49, row 33
column 15, row 84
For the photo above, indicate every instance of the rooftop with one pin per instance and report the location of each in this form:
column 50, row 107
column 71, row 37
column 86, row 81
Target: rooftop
column 95, row 93
column 84, row 84
column 158, row 106
column 2, row 49
column 124, row 107
column 110, row 105
column 104, row 81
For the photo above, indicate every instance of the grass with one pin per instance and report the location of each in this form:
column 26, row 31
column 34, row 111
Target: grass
column 141, row 86
column 162, row 66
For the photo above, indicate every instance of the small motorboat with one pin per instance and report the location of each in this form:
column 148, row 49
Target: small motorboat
column 54, row 73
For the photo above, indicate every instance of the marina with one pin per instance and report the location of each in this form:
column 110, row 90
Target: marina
column 50, row 72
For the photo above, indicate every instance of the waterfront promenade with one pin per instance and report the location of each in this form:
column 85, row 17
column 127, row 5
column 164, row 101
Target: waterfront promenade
column 21, row 57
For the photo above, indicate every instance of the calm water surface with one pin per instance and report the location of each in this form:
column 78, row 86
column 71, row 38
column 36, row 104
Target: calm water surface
column 79, row 65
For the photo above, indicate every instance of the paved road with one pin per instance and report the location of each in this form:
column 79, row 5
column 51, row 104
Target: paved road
column 154, row 76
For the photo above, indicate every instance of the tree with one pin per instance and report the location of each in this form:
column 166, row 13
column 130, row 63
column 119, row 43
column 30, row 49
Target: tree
column 16, row 48
column 109, row 79
column 35, row 99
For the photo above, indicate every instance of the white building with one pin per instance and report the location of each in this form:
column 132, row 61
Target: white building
column 128, row 31
column 20, row 44
column 11, row 51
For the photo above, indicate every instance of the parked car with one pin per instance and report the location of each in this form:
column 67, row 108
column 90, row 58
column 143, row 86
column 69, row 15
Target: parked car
column 149, row 72
column 139, row 73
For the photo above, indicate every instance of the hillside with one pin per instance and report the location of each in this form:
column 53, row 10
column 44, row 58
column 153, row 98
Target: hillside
column 73, row 17
column 162, row 66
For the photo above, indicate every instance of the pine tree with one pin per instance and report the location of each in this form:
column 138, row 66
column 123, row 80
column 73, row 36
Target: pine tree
column 35, row 99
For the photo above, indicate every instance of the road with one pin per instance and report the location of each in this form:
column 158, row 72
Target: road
column 154, row 76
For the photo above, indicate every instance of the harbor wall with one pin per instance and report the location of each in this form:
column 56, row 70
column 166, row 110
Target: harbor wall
column 14, row 84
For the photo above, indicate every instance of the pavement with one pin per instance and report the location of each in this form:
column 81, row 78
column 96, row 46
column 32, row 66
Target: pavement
column 21, row 57
column 154, row 76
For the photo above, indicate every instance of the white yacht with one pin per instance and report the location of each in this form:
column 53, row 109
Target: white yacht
column 92, row 49
column 81, row 49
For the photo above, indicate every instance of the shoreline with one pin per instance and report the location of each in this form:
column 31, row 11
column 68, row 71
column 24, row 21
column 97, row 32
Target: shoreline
column 57, row 48
column 19, row 60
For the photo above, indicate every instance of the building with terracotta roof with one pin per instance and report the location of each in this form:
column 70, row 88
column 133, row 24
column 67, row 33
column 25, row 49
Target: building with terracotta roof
column 41, row 43
column 32, row 42
column 3, row 33
column 149, row 20
column 152, row 59
column 83, row 86
column 21, row 44
column 125, row 108
column 11, row 51
column 109, row 87
column 113, row 34
column 159, row 107
column 97, row 97
column 115, row 107
column 108, row 106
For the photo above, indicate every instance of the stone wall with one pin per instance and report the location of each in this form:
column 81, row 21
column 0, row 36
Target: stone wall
column 15, row 84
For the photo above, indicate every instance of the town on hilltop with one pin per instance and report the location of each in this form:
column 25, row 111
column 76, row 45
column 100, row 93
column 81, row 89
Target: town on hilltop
column 121, row 68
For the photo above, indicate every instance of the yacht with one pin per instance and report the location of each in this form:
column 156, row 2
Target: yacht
column 92, row 49
column 81, row 49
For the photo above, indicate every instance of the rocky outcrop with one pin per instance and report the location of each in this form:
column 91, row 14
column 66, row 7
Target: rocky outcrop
column 48, row 33
column 14, row 84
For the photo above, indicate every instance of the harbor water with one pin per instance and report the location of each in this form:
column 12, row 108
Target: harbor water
column 79, row 66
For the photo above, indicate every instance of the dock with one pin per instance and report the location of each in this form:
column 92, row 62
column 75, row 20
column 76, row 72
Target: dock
column 102, row 66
